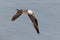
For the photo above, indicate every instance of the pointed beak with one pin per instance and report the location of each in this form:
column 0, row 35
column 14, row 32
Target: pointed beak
column 17, row 9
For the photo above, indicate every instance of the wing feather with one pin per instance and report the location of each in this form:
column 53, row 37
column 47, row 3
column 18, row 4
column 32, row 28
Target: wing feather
column 16, row 15
column 34, row 21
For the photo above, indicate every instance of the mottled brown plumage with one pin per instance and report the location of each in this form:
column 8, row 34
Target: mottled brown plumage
column 34, row 21
column 19, row 12
column 31, row 16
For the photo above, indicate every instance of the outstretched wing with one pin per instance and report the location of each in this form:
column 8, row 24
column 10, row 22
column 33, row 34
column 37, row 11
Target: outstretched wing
column 34, row 21
column 16, row 15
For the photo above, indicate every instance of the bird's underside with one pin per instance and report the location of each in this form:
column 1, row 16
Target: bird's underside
column 31, row 16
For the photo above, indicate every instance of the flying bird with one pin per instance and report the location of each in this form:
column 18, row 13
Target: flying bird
column 31, row 16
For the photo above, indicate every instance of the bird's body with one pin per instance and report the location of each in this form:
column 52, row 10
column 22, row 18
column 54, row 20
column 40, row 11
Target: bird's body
column 26, row 11
column 30, row 12
column 31, row 16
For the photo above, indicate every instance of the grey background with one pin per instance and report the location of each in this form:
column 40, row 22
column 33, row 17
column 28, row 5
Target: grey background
column 47, row 14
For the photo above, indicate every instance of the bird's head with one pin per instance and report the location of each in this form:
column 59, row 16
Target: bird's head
column 19, row 11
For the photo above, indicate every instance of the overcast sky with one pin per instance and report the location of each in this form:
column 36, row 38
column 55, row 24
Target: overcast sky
column 47, row 14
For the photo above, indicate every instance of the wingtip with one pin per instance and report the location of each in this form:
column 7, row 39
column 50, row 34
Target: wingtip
column 12, row 19
column 38, row 32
